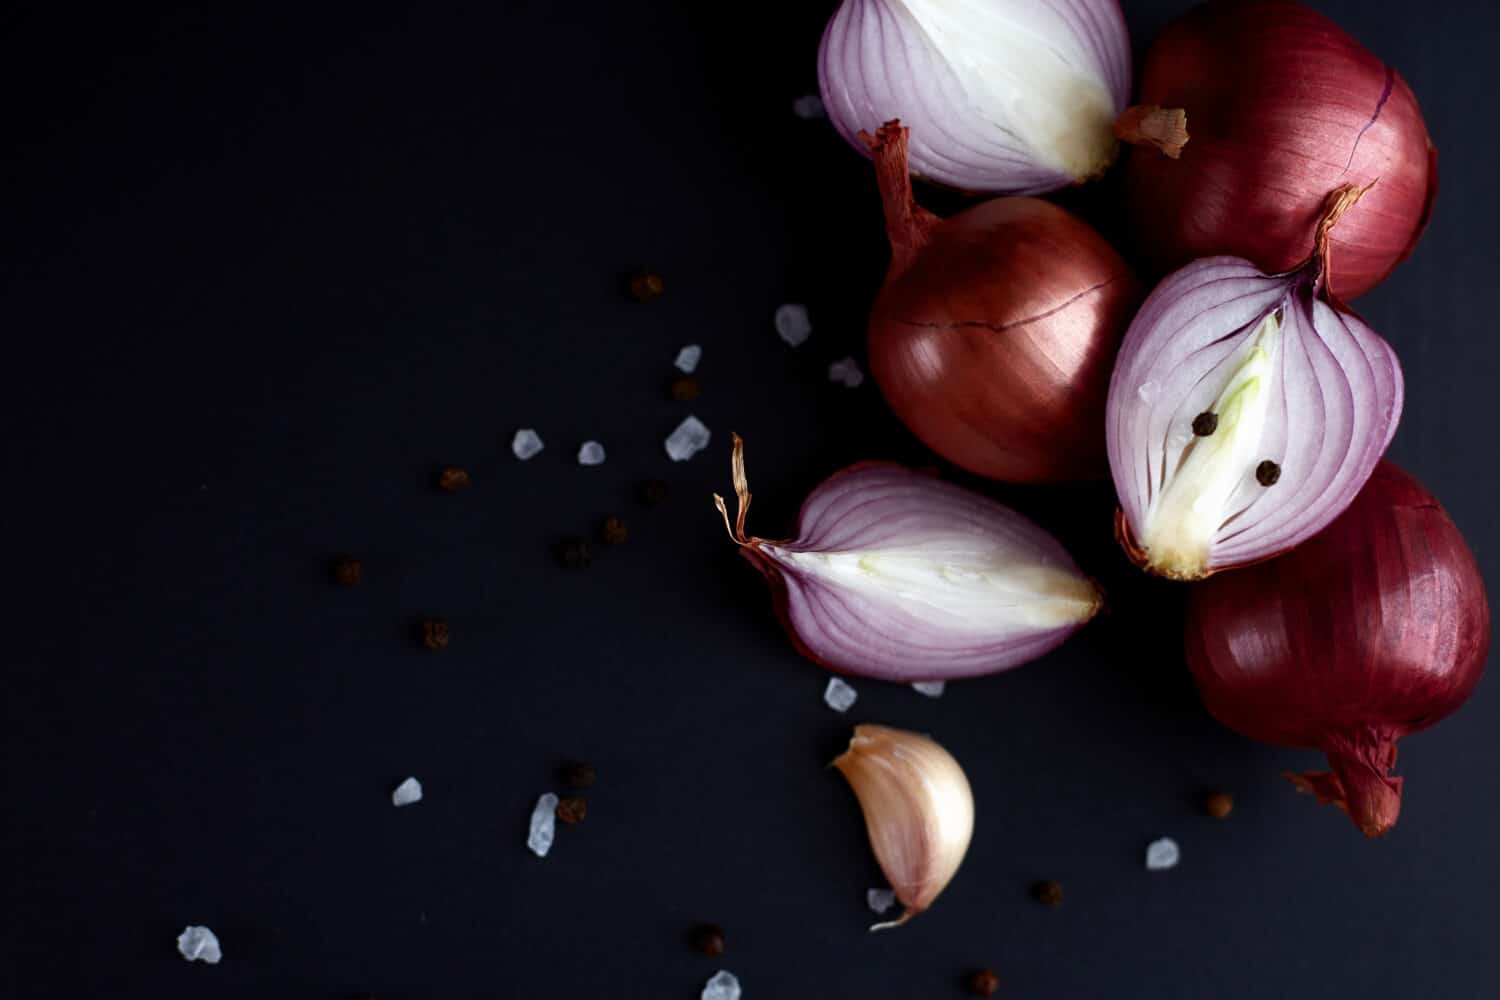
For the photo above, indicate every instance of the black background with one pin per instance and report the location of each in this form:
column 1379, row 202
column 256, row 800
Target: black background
column 264, row 271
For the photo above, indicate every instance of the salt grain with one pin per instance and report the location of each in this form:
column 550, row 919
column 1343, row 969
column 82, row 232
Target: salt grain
column 690, row 437
column 688, row 358
column 591, row 453
column 880, row 900
column 839, row 696
column 723, row 986
column 792, row 324
column 1162, row 854
column 543, row 825
column 846, row 372
column 932, row 689
column 199, row 944
column 526, row 443
column 407, row 792
column 808, row 107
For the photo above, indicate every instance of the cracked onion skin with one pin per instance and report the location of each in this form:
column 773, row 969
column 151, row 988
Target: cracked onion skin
column 996, row 330
column 1283, row 106
column 1376, row 628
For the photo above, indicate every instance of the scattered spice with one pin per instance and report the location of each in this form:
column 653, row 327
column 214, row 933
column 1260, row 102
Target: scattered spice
column 646, row 286
column 613, row 531
column 685, row 388
column 1048, row 893
column 708, row 939
column 1267, row 473
column 577, row 774
column 451, row 479
column 434, row 632
column 1205, row 423
column 984, row 983
column 1218, row 804
column 572, row 810
column 347, row 571
column 573, row 553
column 653, row 492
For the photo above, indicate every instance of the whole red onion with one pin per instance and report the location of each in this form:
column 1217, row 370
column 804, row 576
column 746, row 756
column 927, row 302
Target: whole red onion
column 1283, row 107
column 995, row 332
column 1376, row 628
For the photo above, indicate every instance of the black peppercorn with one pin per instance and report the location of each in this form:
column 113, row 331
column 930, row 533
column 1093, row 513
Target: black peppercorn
column 1218, row 804
column 645, row 286
column 685, row 388
column 572, row 810
column 613, row 531
column 708, row 939
column 577, row 774
column 347, row 571
column 984, row 983
column 1205, row 423
column 1048, row 893
column 434, row 633
column 451, row 479
column 1267, row 473
column 573, row 553
column 653, row 492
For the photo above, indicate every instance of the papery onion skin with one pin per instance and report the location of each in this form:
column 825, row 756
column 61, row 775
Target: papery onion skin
column 874, row 517
column 1376, row 628
column 1044, row 128
column 996, row 330
column 1284, row 106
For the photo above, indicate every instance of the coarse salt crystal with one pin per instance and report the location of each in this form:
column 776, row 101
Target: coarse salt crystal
column 690, row 437
column 199, row 944
column 846, row 372
column 808, row 106
column 932, row 689
column 723, row 986
column 591, row 453
column 1162, row 854
column 839, row 696
column 543, row 825
column 407, row 792
column 688, row 358
column 526, row 443
column 880, row 900
column 792, row 324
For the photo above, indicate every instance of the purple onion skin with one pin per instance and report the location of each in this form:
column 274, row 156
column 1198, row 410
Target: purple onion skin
column 1282, row 105
column 1376, row 628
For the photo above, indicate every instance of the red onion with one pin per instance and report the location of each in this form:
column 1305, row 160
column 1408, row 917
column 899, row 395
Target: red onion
column 1008, row 96
column 1283, row 107
column 1376, row 628
column 994, row 333
column 1245, row 412
column 895, row 574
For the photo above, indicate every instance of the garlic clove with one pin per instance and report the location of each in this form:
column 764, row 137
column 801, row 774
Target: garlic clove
column 918, row 808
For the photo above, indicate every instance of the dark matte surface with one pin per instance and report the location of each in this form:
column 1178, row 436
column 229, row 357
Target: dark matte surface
column 264, row 272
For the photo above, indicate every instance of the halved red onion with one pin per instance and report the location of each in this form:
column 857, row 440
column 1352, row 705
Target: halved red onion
column 1002, row 96
column 1245, row 412
column 897, row 575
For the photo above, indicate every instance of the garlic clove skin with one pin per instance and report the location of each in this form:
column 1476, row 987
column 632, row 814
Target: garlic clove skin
column 918, row 808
